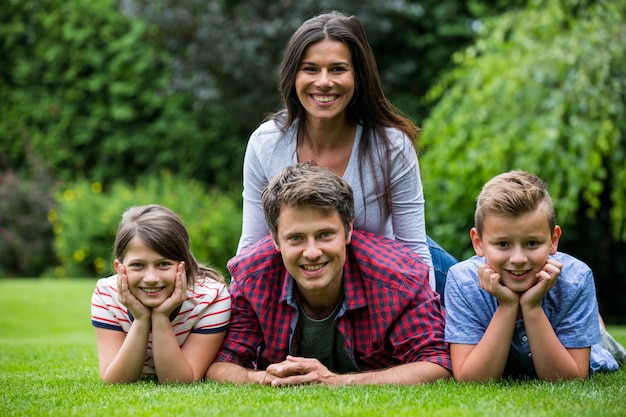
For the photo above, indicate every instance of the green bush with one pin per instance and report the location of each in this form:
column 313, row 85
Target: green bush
column 89, row 89
column 541, row 90
column 25, row 234
column 86, row 218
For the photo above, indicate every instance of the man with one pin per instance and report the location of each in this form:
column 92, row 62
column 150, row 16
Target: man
column 317, row 302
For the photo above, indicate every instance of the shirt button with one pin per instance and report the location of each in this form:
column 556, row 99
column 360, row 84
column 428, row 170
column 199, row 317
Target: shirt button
column 518, row 325
column 524, row 338
column 530, row 355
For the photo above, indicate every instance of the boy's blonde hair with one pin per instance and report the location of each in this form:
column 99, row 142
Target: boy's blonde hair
column 511, row 194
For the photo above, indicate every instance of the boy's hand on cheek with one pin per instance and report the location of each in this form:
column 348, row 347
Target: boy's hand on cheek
column 546, row 278
column 490, row 281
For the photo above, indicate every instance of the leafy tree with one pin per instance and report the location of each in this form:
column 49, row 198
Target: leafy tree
column 102, row 95
column 87, row 87
column 543, row 90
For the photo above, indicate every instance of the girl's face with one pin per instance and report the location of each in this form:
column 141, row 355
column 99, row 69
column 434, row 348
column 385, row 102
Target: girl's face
column 151, row 277
column 325, row 80
column 517, row 247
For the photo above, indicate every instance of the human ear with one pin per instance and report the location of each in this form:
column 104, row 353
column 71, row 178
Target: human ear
column 555, row 239
column 349, row 234
column 275, row 241
column 116, row 265
column 477, row 243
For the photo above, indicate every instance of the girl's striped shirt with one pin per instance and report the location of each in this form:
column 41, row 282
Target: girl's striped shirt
column 207, row 310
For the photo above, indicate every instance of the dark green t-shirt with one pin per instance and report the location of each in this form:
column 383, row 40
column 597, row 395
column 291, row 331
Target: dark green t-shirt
column 321, row 339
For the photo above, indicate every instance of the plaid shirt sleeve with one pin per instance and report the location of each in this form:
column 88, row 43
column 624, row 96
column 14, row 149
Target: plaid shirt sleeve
column 404, row 318
column 259, row 330
column 244, row 332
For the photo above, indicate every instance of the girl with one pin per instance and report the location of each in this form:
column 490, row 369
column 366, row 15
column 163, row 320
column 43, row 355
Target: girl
column 163, row 313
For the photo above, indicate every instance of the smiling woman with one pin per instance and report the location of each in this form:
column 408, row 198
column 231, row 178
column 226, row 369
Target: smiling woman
column 336, row 114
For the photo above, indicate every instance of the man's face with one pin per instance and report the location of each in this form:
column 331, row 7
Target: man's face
column 517, row 247
column 313, row 243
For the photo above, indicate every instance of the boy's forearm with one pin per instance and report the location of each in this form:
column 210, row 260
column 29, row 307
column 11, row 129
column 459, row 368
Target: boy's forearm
column 487, row 360
column 551, row 359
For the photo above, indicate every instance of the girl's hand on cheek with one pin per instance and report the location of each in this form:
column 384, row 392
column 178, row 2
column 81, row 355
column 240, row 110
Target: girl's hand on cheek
column 179, row 295
column 128, row 299
column 491, row 281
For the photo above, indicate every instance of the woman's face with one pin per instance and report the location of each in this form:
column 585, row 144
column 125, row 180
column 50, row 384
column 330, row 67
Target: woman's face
column 325, row 80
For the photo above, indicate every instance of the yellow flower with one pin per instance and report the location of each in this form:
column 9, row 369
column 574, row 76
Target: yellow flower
column 96, row 187
column 99, row 264
column 69, row 195
column 79, row 255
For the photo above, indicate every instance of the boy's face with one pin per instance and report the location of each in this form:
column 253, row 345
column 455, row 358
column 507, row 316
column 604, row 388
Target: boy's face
column 516, row 247
column 313, row 243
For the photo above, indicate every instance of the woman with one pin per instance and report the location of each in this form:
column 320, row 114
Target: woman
column 337, row 115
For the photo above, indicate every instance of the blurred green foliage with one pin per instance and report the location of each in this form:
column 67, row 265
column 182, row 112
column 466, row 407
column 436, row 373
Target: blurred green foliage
column 90, row 91
column 86, row 217
column 228, row 52
column 25, row 233
column 542, row 90
column 105, row 91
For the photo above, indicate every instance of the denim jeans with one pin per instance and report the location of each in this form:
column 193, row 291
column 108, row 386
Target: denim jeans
column 442, row 261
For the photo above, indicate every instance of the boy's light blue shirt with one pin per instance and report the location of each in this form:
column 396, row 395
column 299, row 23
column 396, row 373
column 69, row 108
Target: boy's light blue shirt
column 571, row 307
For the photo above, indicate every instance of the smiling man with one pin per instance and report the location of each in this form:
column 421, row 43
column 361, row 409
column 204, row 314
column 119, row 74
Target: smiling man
column 319, row 302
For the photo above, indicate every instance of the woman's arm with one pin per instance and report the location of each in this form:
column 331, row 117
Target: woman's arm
column 408, row 202
column 253, row 225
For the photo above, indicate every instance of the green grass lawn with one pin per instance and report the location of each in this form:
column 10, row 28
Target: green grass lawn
column 48, row 367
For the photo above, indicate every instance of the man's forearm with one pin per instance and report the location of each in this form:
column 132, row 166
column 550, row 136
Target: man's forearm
column 231, row 372
column 405, row 374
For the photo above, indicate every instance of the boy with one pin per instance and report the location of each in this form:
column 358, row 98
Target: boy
column 519, row 307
